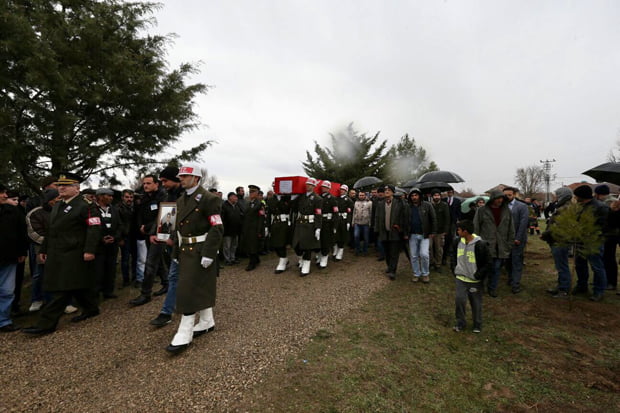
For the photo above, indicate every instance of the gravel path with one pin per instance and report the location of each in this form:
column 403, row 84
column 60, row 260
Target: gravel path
column 117, row 362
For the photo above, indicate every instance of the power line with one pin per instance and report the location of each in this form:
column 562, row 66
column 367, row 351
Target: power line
column 547, row 169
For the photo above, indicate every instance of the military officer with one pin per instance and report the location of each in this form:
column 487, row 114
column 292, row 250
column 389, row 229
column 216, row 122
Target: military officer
column 308, row 220
column 68, row 252
column 253, row 228
column 279, row 224
column 330, row 223
column 199, row 230
column 345, row 213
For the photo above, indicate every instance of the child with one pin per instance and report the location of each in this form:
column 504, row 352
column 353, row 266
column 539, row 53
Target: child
column 470, row 265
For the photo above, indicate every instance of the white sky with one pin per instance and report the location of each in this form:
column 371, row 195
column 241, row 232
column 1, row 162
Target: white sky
column 485, row 87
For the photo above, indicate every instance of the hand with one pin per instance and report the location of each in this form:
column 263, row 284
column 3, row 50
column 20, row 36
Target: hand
column 88, row 256
column 142, row 229
column 266, row 232
column 317, row 234
column 169, row 242
column 205, row 262
column 348, row 226
column 21, row 259
column 153, row 239
column 42, row 258
column 517, row 242
column 175, row 260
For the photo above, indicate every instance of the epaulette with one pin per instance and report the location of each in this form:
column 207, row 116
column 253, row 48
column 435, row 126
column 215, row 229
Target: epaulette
column 88, row 201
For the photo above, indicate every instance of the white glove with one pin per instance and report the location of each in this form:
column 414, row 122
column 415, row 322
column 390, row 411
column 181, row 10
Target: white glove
column 205, row 262
column 348, row 226
column 266, row 232
column 176, row 261
column 317, row 234
column 334, row 230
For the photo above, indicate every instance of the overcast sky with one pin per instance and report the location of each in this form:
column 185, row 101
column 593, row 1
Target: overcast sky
column 485, row 87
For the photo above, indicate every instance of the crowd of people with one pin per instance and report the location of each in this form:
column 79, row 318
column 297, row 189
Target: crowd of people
column 173, row 230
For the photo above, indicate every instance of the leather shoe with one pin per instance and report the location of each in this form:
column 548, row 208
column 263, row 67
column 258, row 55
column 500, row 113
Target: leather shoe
column 161, row 320
column 492, row 293
column 201, row 332
column 140, row 300
column 38, row 331
column 177, row 349
column 9, row 328
column 163, row 290
column 250, row 267
column 84, row 316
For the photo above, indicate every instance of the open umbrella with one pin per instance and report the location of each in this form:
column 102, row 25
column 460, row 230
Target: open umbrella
column 607, row 172
column 465, row 203
column 429, row 186
column 410, row 183
column 440, row 176
column 366, row 181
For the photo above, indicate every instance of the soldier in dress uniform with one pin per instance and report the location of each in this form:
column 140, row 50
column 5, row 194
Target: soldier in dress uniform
column 279, row 225
column 199, row 235
column 330, row 223
column 68, row 252
column 308, row 221
column 345, row 213
column 253, row 227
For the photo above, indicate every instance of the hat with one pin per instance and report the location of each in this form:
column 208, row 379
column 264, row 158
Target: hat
column 171, row 173
column 253, row 188
column 435, row 191
column 104, row 191
column 49, row 194
column 190, row 168
column 391, row 188
column 496, row 193
column 68, row 178
column 416, row 190
column 311, row 181
column 88, row 191
column 344, row 187
column 583, row 192
column 564, row 194
column 602, row 190
column 326, row 184
column 212, row 190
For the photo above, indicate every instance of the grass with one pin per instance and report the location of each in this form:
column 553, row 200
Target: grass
column 398, row 353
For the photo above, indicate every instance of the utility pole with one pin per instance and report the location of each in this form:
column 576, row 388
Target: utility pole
column 547, row 168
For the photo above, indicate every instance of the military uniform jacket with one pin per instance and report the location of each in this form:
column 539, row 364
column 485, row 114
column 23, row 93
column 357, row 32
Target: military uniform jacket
column 345, row 210
column 74, row 229
column 253, row 226
column 197, row 214
column 308, row 218
column 110, row 225
column 279, row 220
column 330, row 220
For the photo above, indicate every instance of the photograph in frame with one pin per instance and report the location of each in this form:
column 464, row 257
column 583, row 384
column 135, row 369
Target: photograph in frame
column 166, row 220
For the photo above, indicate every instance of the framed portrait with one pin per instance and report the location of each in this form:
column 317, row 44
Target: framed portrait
column 166, row 220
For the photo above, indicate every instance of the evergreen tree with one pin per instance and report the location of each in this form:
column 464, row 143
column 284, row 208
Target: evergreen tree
column 407, row 161
column 83, row 88
column 352, row 155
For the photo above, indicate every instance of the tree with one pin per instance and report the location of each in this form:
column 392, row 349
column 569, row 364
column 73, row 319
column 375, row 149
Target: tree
column 407, row 161
column 83, row 88
column 351, row 156
column 530, row 179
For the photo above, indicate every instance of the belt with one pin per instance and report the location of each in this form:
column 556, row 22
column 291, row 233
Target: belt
column 343, row 214
column 281, row 217
column 328, row 216
column 191, row 240
column 303, row 219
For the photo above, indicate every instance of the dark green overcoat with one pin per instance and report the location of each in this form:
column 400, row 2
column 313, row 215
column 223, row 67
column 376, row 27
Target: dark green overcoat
column 330, row 221
column 345, row 210
column 279, row 207
column 306, row 206
column 253, row 228
column 74, row 229
column 197, row 214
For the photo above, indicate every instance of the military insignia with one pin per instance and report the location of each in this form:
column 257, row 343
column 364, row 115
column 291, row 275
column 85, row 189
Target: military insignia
column 93, row 221
column 67, row 209
column 261, row 212
column 215, row 220
column 318, row 211
column 198, row 197
column 335, row 209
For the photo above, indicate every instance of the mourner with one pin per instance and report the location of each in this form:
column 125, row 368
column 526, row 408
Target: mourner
column 253, row 227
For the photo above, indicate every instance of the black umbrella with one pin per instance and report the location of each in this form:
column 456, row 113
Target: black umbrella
column 366, row 181
column 607, row 172
column 428, row 186
column 440, row 176
column 410, row 184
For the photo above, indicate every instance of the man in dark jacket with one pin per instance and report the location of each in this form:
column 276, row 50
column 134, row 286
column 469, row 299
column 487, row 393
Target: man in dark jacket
column 231, row 217
column 308, row 221
column 127, row 244
column 493, row 222
column 279, row 224
column 584, row 196
column 68, row 252
column 13, row 250
column 520, row 218
column 391, row 225
column 107, row 251
column 253, row 227
column 442, row 213
column 422, row 228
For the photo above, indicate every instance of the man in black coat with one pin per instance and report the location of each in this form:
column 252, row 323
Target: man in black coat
column 391, row 226
column 454, row 204
column 253, row 227
column 231, row 218
column 107, row 251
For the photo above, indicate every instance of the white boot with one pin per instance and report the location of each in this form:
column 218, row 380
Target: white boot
column 305, row 268
column 323, row 262
column 339, row 254
column 205, row 322
column 335, row 251
column 282, row 264
column 184, row 334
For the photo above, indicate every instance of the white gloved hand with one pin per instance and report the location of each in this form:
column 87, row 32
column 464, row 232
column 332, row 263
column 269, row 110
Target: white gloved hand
column 334, row 230
column 317, row 234
column 175, row 260
column 266, row 232
column 348, row 226
column 205, row 262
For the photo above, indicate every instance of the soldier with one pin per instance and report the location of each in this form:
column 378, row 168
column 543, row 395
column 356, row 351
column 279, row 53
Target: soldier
column 345, row 212
column 279, row 224
column 199, row 230
column 330, row 222
column 308, row 221
column 68, row 252
column 253, row 227
column 107, row 251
